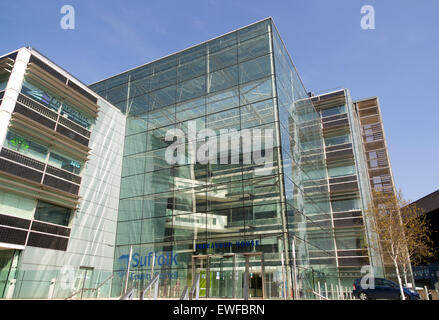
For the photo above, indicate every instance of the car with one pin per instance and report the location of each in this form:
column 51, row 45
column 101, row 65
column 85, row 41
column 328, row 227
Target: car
column 383, row 289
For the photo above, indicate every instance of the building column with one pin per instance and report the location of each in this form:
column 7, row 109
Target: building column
column 12, row 90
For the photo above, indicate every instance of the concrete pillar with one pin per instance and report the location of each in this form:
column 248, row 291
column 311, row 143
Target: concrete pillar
column 12, row 90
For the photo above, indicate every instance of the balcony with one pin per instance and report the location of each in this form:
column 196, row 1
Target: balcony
column 37, row 172
column 25, row 232
column 46, row 75
column 35, row 118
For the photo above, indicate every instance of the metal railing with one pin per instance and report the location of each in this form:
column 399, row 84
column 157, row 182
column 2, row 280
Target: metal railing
column 194, row 291
column 154, row 282
column 90, row 289
column 129, row 295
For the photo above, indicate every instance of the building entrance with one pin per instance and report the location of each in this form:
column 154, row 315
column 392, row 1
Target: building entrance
column 232, row 275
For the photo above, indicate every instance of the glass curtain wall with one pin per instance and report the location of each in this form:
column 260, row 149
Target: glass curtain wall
column 310, row 229
column 219, row 219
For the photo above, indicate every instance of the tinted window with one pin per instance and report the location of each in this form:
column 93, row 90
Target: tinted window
column 51, row 213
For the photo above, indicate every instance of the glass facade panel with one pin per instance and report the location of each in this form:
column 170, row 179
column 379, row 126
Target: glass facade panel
column 255, row 47
column 51, row 213
column 341, row 169
column 190, row 109
column 337, row 138
column 191, row 89
column 256, row 114
column 163, row 79
column 255, row 69
column 163, row 97
column 345, row 205
column 223, row 58
column 223, row 100
column 76, row 116
column 132, row 186
column 257, row 90
column 333, row 111
column 3, row 82
column 191, row 69
column 135, row 144
column 44, row 97
column 65, row 163
column 223, row 79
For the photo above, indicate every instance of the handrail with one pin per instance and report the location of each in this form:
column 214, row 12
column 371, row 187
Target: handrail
column 319, row 295
column 90, row 289
column 154, row 280
column 129, row 295
column 185, row 293
column 195, row 287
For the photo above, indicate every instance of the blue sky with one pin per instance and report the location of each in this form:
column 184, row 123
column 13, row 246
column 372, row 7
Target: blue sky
column 398, row 61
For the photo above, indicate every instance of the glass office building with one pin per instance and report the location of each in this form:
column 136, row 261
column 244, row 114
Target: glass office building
column 213, row 163
column 232, row 223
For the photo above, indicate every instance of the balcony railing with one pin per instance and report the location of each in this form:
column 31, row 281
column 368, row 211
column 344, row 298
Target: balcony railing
column 49, row 118
column 34, row 233
column 25, row 167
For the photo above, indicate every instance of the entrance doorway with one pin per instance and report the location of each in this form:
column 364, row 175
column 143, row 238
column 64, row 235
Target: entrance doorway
column 232, row 275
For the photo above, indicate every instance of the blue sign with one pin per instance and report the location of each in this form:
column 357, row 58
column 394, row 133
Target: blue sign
column 166, row 259
column 237, row 244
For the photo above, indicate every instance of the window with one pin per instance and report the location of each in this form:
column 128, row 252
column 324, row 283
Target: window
column 53, row 102
column 51, row 213
column 341, row 169
column 25, row 146
column 337, row 139
column 17, row 205
column 3, row 83
column 333, row 111
column 76, row 116
column 345, row 205
column 65, row 163
column 40, row 95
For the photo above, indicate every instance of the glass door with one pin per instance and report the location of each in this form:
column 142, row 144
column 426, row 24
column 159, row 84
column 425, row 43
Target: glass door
column 230, row 275
column 200, row 264
column 255, row 273
column 223, row 271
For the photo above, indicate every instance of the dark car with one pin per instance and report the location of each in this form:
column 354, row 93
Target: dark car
column 383, row 289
